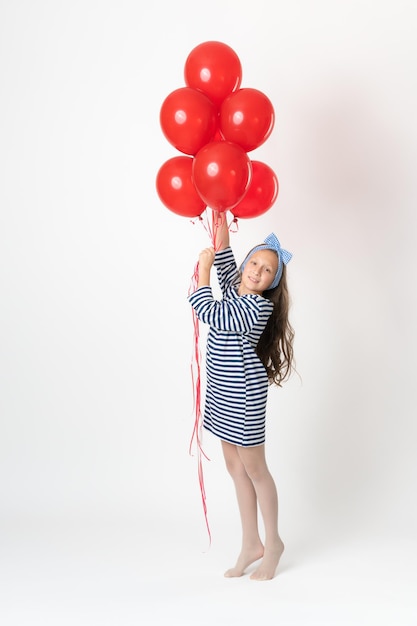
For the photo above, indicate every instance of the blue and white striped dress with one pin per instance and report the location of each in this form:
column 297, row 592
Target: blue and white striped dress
column 237, row 384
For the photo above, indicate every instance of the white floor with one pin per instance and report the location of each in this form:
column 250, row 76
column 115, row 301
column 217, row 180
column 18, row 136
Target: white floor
column 86, row 573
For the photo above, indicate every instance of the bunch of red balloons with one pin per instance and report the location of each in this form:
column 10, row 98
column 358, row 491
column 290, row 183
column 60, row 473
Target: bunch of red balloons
column 214, row 123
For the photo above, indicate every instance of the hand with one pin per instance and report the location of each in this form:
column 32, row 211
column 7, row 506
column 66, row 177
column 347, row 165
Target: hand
column 206, row 258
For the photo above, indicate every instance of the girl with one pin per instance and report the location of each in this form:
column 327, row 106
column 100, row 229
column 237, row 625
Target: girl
column 249, row 347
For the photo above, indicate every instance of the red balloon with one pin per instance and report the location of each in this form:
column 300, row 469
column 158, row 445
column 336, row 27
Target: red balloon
column 176, row 189
column 247, row 118
column 221, row 173
column 188, row 119
column 261, row 194
column 215, row 69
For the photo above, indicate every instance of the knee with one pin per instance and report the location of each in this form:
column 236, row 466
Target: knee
column 235, row 467
column 256, row 471
column 254, row 462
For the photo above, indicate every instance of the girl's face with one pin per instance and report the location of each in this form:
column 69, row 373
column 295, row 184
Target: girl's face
column 259, row 272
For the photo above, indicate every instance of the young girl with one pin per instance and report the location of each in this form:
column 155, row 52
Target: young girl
column 249, row 347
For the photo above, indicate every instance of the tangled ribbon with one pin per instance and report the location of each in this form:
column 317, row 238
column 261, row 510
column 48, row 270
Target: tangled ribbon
column 196, row 437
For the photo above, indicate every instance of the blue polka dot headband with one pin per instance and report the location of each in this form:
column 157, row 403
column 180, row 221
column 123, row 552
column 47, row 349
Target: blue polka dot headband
column 272, row 243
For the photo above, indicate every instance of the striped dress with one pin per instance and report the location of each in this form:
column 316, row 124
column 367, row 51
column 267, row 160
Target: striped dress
column 237, row 384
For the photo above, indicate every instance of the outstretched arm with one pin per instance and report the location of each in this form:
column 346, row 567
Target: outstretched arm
column 221, row 230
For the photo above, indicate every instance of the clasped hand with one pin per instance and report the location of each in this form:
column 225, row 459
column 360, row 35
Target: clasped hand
column 206, row 258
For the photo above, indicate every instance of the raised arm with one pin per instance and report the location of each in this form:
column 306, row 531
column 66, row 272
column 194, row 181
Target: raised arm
column 221, row 229
column 207, row 256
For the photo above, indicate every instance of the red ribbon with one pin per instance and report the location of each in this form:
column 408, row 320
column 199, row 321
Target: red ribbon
column 196, row 437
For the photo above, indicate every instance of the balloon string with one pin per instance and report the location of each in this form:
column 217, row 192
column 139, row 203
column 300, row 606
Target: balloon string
column 234, row 225
column 211, row 226
column 196, row 437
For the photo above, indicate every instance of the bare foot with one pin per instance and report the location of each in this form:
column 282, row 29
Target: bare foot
column 269, row 563
column 245, row 558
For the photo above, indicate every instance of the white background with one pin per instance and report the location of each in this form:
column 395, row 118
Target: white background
column 101, row 519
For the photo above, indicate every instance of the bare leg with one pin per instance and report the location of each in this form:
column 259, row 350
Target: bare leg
column 252, row 548
column 256, row 468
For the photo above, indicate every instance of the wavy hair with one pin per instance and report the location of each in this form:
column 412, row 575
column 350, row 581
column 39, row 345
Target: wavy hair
column 275, row 347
